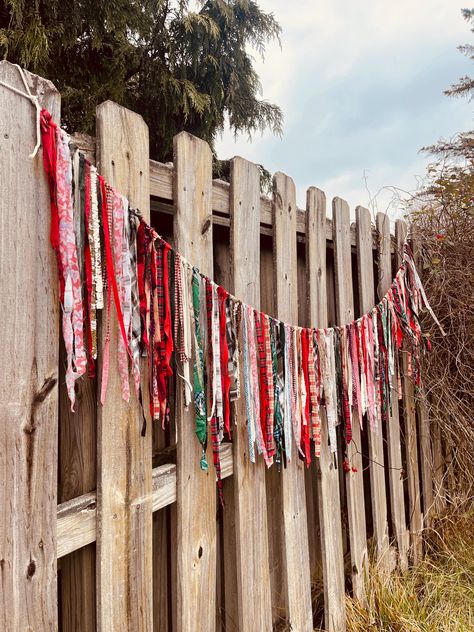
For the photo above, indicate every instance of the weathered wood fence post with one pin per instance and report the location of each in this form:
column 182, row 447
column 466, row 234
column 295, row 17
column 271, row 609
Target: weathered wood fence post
column 375, row 437
column 124, row 485
column 415, row 519
column 329, row 504
column 29, row 339
column 354, row 479
column 295, row 596
column 254, row 610
column 394, row 451
column 196, row 490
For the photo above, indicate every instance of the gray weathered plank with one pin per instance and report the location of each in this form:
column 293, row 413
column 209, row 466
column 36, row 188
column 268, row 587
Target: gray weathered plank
column 354, row 479
column 394, row 451
column 296, row 581
column 329, row 504
column 29, row 336
column 439, row 470
column 196, row 497
column 251, row 538
column 426, row 456
column 378, row 499
column 124, row 514
column 415, row 518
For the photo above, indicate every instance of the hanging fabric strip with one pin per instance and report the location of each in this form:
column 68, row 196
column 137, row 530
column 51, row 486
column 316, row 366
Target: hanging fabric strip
column 313, row 395
column 224, row 356
column 135, row 328
column 119, row 214
column 270, row 420
column 73, row 319
column 199, row 371
column 248, row 390
column 278, row 393
column 306, row 395
column 215, row 381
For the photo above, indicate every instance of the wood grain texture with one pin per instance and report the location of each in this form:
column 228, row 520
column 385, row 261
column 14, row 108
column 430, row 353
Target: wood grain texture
column 439, row 470
column 415, row 518
column 29, row 335
column 394, row 450
column 354, row 479
column 426, row 456
column 77, row 476
column 196, row 493
column 329, row 504
column 251, row 538
column 76, row 518
column 295, row 580
column 124, row 485
column 161, row 188
column 383, row 557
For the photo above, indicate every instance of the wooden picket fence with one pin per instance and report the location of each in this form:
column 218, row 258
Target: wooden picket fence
column 103, row 529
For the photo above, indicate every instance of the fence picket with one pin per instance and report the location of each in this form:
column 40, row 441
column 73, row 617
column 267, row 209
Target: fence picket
column 414, row 500
column 124, row 486
column 327, row 477
column 196, row 493
column 296, row 581
column 354, row 478
column 439, row 470
column 251, row 538
column 378, row 493
column 29, row 336
column 426, row 457
column 397, row 500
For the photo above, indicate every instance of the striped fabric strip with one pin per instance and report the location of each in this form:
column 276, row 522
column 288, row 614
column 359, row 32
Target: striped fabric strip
column 313, row 396
column 270, row 419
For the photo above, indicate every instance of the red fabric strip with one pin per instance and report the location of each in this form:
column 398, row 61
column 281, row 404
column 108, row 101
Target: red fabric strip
column 305, row 438
column 48, row 140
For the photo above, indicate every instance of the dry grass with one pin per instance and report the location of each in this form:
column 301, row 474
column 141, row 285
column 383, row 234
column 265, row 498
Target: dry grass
column 443, row 217
column 436, row 596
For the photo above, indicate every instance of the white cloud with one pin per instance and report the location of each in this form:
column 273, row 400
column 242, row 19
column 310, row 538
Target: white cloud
column 360, row 83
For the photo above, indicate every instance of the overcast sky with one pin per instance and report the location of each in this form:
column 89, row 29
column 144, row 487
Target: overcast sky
column 361, row 86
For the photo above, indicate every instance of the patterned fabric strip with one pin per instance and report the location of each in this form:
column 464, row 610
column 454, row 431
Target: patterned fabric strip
column 270, row 420
column 278, row 392
column 224, row 357
column 73, row 319
column 199, row 371
column 119, row 214
column 306, row 399
column 214, row 382
column 135, row 328
column 315, row 421
column 90, row 315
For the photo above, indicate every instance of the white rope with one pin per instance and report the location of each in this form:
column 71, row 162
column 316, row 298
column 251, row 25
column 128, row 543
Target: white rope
column 34, row 100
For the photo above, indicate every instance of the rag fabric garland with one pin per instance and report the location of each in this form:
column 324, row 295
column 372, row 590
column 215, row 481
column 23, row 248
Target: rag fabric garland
column 174, row 315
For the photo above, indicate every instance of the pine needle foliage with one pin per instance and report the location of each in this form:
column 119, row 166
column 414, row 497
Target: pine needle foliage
column 181, row 65
column 465, row 86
